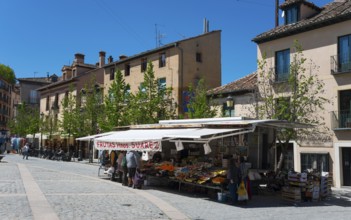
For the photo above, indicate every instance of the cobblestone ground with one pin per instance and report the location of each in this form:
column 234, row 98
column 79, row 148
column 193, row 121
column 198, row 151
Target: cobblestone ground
column 74, row 191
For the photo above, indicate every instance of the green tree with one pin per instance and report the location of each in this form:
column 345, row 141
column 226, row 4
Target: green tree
column 69, row 123
column 25, row 122
column 90, row 107
column 115, row 105
column 152, row 102
column 199, row 104
column 50, row 124
column 296, row 100
column 7, row 73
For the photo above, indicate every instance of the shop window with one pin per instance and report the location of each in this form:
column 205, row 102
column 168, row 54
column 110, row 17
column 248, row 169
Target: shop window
column 319, row 162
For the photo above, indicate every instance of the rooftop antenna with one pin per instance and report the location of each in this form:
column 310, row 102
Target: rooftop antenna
column 159, row 36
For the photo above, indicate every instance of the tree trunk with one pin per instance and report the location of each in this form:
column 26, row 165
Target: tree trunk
column 284, row 149
column 280, row 162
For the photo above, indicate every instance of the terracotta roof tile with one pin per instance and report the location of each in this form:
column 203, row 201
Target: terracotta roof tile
column 291, row 2
column 246, row 83
column 331, row 13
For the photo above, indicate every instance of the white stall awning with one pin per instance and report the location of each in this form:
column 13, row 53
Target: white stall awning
column 151, row 139
column 138, row 139
column 199, row 133
column 88, row 138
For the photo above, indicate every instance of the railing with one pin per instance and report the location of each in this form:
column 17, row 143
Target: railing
column 337, row 66
column 279, row 77
column 341, row 120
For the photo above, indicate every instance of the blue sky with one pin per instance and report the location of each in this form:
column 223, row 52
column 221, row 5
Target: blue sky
column 40, row 36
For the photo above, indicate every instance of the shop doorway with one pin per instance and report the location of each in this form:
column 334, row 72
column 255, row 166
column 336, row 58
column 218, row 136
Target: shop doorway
column 346, row 166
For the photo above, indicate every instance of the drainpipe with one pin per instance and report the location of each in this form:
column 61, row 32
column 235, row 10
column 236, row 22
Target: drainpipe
column 180, row 78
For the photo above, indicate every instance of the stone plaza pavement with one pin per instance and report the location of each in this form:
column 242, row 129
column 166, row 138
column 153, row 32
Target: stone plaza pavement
column 43, row 189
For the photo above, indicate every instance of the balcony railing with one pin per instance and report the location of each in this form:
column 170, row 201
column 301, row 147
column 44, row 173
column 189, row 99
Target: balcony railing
column 341, row 120
column 340, row 67
column 279, row 77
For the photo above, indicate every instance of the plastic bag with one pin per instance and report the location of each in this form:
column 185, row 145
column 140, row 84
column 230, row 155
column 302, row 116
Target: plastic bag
column 242, row 193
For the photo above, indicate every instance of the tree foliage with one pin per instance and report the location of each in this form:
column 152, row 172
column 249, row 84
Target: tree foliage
column 7, row 73
column 199, row 104
column 115, row 104
column 26, row 121
column 69, row 123
column 152, row 102
column 50, row 124
column 295, row 100
column 90, row 107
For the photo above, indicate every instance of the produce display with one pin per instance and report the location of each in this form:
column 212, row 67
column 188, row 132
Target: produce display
column 199, row 173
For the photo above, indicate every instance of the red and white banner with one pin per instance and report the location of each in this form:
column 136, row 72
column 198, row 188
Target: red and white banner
column 137, row 146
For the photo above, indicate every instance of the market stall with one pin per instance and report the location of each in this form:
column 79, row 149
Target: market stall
column 94, row 154
column 196, row 152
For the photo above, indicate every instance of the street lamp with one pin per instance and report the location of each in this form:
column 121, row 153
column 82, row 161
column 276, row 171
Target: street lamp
column 230, row 104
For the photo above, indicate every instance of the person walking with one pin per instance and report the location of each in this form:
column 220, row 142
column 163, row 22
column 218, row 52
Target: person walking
column 234, row 177
column 133, row 163
column 25, row 151
column 122, row 167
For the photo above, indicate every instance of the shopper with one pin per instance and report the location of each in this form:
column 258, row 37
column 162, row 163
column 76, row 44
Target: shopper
column 234, row 178
column 122, row 167
column 244, row 175
column 25, row 151
column 133, row 163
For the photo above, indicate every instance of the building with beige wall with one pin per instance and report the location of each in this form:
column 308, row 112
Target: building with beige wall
column 325, row 36
column 176, row 65
column 241, row 95
column 74, row 79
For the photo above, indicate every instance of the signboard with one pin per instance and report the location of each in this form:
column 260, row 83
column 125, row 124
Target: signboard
column 137, row 146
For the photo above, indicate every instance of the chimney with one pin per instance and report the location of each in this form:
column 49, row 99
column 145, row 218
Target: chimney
column 122, row 57
column 110, row 59
column 102, row 55
column 206, row 26
column 79, row 58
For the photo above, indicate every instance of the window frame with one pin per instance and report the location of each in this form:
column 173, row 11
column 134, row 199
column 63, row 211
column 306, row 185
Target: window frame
column 315, row 158
column 143, row 64
column 282, row 65
column 198, row 57
column 112, row 73
column 127, row 69
column 33, row 97
column 292, row 14
column 344, row 54
column 162, row 60
column 277, row 108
